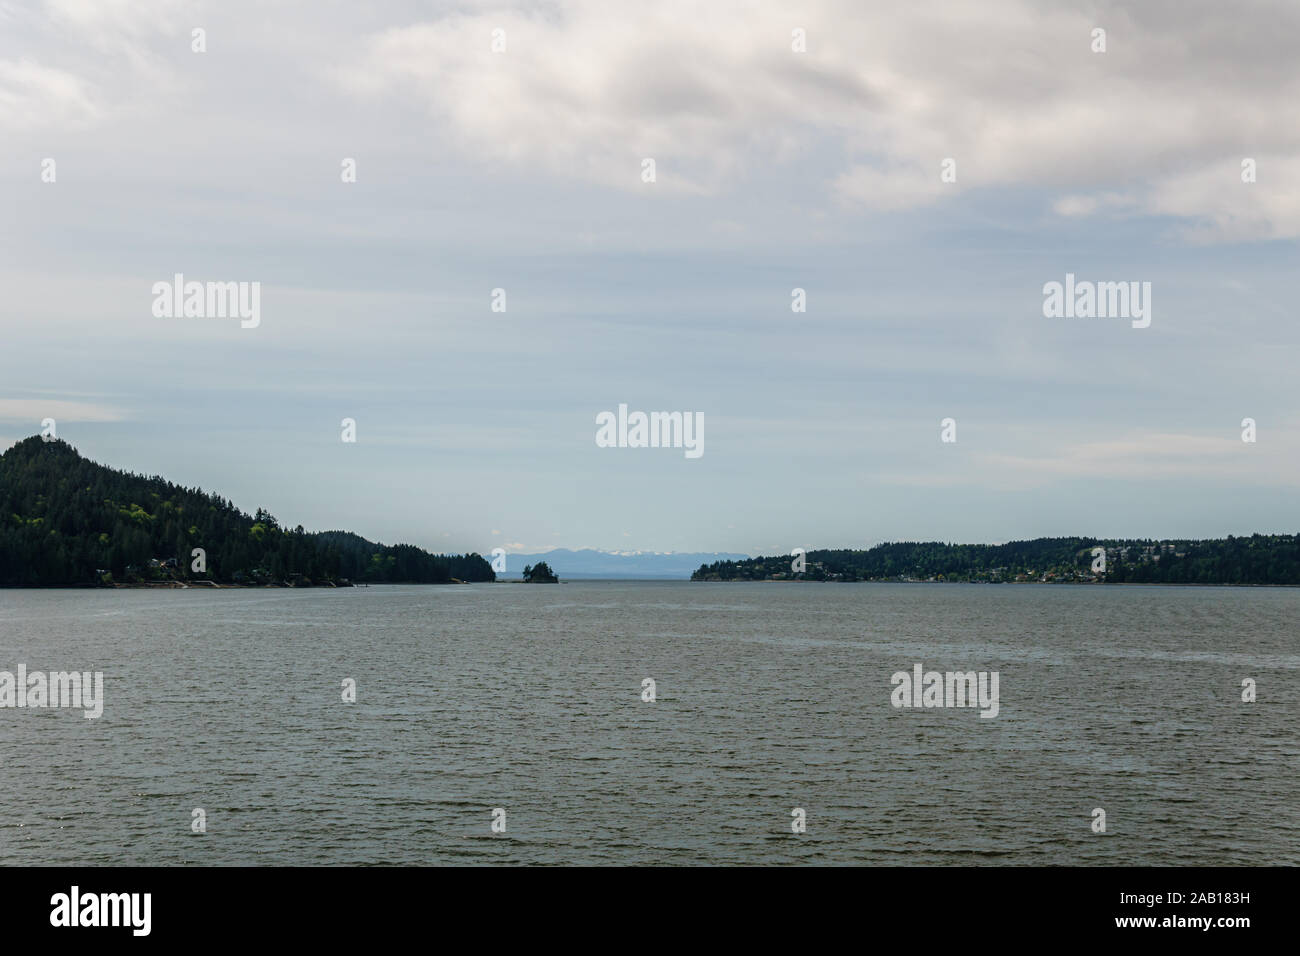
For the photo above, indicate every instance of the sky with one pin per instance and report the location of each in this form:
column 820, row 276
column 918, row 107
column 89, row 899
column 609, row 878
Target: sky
column 921, row 171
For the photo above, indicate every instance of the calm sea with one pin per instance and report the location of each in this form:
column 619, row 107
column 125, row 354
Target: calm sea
column 770, row 697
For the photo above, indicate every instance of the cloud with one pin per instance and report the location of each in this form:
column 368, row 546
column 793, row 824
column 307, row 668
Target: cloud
column 1011, row 90
column 891, row 189
column 1222, row 207
column 84, row 62
column 34, row 410
column 1153, row 456
column 32, row 95
column 1042, row 458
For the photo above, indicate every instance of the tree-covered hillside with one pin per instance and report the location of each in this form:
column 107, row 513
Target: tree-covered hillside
column 363, row 560
column 68, row 521
column 1258, row 559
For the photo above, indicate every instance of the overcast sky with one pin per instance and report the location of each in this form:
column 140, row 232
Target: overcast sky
column 774, row 170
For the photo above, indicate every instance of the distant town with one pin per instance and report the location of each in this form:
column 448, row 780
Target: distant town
column 1256, row 559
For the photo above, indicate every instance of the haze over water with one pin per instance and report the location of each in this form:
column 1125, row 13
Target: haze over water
column 770, row 697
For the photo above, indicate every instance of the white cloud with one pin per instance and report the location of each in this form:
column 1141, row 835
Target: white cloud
column 1009, row 89
column 1075, row 206
column 82, row 62
column 33, row 410
column 32, row 95
column 1221, row 206
column 888, row 189
column 1140, row 456
column 1154, row 456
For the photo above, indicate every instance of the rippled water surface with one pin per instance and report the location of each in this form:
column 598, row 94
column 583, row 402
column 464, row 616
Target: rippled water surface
column 770, row 697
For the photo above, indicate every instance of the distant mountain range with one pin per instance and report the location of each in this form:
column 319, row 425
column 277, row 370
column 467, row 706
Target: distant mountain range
column 591, row 563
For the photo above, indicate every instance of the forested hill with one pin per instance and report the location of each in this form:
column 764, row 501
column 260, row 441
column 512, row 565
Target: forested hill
column 68, row 521
column 1257, row 559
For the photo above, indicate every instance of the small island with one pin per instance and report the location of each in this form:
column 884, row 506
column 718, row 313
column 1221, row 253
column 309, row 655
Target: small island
column 539, row 573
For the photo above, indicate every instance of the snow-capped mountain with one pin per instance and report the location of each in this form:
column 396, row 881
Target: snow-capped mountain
column 591, row 563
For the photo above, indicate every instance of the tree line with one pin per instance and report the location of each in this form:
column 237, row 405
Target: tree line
column 65, row 521
column 1255, row 559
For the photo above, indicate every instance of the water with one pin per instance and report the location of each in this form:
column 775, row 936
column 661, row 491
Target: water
column 770, row 697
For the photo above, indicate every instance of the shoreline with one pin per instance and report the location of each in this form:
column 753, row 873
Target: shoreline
column 212, row 586
column 1061, row 584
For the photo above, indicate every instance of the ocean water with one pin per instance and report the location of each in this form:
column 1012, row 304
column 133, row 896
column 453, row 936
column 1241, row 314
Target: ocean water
column 770, row 697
